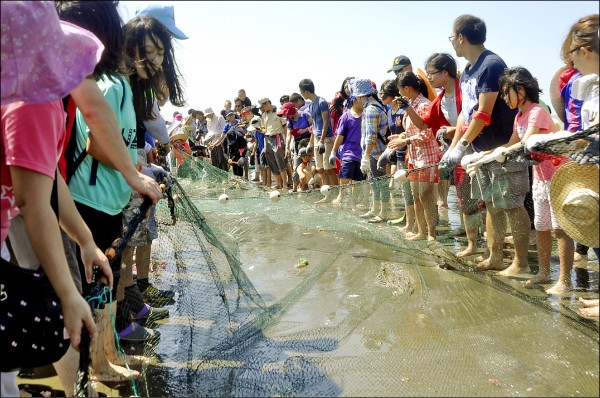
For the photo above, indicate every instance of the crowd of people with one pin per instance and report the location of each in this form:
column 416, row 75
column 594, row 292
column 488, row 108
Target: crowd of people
column 427, row 128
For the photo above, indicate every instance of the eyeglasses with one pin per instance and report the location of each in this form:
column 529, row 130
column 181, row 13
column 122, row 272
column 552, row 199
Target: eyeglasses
column 575, row 49
column 433, row 73
column 450, row 38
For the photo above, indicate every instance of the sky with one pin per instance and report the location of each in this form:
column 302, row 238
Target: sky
column 267, row 47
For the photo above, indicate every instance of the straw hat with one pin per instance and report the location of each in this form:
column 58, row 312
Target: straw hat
column 179, row 136
column 574, row 199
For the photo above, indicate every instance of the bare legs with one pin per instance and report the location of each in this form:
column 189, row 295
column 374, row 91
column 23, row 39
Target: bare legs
column 565, row 255
column 520, row 227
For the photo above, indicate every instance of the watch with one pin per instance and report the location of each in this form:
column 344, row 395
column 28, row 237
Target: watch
column 463, row 142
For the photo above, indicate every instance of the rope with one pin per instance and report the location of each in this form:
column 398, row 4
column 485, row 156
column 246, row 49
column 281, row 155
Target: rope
column 98, row 297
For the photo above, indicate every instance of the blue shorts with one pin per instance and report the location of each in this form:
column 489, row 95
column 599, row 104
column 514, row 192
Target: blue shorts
column 351, row 169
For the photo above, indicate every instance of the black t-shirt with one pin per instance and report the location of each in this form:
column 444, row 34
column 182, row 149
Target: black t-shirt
column 480, row 78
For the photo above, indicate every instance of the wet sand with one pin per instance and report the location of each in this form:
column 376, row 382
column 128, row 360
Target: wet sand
column 370, row 315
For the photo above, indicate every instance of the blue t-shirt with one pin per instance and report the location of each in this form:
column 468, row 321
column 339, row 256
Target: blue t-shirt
column 316, row 108
column 111, row 193
column 301, row 123
column 394, row 129
column 349, row 128
column 483, row 77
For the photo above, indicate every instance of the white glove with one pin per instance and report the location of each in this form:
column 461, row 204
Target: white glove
column 332, row 158
column 472, row 158
column 455, row 154
column 156, row 172
column 440, row 134
column 535, row 142
column 384, row 159
column 365, row 165
column 321, row 147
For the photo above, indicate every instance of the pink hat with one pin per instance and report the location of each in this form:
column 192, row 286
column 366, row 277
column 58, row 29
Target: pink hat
column 43, row 59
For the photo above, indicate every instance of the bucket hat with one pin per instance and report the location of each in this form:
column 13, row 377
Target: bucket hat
column 43, row 59
column 361, row 87
column 165, row 14
column 574, row 200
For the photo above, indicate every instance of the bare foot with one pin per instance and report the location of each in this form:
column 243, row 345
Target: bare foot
column 539, row 278
column 337, row 202
column 489, row 264
column 470, row 249
column 560, row 288
column 514, row 270
column 320, row 201
column 590, row 311
column 415, row 237
column 590, row 302
column 405, row 229
column 430, row 238
column 113, row 373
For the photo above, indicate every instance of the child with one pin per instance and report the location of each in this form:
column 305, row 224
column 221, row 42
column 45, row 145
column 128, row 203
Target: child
column 347, row 139
column 306, row 171
column 423, row 150
column 520, row 90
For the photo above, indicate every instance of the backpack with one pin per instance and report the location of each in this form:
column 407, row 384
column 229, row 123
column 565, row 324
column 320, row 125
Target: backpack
column 69, row 163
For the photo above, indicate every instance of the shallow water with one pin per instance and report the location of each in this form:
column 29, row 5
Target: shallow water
column 370, row 315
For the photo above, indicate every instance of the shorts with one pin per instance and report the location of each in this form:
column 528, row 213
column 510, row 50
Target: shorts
column 275, row 153
column 504, row 185
column 350, row 169
column 431, row 174
column 140, row 236
column 322, row 161
column 462, row 181
column 544, row 219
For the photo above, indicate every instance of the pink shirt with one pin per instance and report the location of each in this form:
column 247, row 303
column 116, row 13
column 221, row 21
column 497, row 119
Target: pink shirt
column 539, row 117
column 32, row 138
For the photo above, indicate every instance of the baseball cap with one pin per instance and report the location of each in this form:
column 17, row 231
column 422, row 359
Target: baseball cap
column 400, row 62
column 165, row 14
column 208, row 111
column 229, row 112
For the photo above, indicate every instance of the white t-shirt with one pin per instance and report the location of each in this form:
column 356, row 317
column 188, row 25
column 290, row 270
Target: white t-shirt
column 448, row 106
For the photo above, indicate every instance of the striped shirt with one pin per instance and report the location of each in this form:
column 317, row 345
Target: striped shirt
column 423, row 149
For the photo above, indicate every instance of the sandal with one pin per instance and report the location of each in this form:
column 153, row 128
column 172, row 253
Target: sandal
column 370, row 214
column 376, row 219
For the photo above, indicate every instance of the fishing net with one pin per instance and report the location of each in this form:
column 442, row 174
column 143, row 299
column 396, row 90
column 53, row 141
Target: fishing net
column 282, row 297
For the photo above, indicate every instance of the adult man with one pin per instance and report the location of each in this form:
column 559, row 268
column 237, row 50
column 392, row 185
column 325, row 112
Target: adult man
column 275, row 153
column 214, row 139
column 242, row 96
column 402, row 64
column 322, row 138
column 226, row 107
column 486, row 123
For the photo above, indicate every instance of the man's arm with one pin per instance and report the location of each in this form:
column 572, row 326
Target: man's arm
column 486, row 104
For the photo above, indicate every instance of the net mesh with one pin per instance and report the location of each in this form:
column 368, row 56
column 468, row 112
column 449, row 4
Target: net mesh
column 289, row 298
